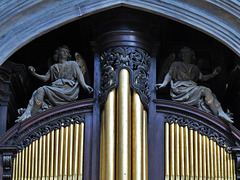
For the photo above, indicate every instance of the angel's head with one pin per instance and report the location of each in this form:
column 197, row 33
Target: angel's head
column 186, row 54
column 62, row 54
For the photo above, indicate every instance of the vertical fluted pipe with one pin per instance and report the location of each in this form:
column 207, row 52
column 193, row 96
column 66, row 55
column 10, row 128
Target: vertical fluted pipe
column 204, row 152
column 75, row 150
column 36, row 160
column 191, row 144
column 80, row 151
column 110, row 136
column 182, row 150
column 40, row 157
column 70, row 151
column 167, row 155
column 65, row 153
column 17, row 166
column 123, row 127
column 61, row 152
column 56, row 154
column 186, row 152
column 102, row 147
column 44, row 155
column 172, row 152
column 137, row 133
column 177, row 152
column 145, row 147
column 196, row 155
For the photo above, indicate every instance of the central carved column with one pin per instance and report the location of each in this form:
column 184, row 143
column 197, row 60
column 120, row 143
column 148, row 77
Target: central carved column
column 124, row 95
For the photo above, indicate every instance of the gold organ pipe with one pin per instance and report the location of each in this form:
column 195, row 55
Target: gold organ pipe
column 204, row 151
column 222, row 162
column 215, row 160
column 167, row 147
column 177, row 151
column 110, row 138
column 80, row 152
column 225, row 165
column 29, row 160
column 208, row 158
column 75, row 151
column 191, row 142
column 44, row 143
column 40, row 145
column 186, row 151
column 196, row 154
column 70, row 153
column 17, row 166
column 33, row 159
column 22, row 165
column 56, row 152
column 234, row 173
column 182, row 149
column 212, row 158
column 65, row 154
column 123, row 127
column 137, row 137
column 229, row 167
column 102, row 147
column 51, row 163
column 36, row 160
column 219, row 161
column 47, row 171
column 200, row 157
column 145, row 147
column 61, row 151
column 172, row 151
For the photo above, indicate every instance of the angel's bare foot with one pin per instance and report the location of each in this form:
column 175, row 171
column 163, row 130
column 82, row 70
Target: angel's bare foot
column 24, row 116
column 225, row 117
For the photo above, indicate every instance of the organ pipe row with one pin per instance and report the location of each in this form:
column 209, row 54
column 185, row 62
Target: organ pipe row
column 57, row 155
column 123, row 147
column 190, row 155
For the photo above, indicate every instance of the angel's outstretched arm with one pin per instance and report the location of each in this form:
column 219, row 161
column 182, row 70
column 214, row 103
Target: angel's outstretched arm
column 44, row 78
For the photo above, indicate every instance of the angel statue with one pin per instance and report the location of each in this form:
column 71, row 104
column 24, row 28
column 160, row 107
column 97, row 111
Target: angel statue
column 65, row 77
column 183, row 77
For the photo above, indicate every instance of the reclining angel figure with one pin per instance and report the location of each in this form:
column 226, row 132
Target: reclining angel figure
column 183, row 77
column 66, row 76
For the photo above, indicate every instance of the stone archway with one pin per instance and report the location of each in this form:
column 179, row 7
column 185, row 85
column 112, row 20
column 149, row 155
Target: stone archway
column 23, row 21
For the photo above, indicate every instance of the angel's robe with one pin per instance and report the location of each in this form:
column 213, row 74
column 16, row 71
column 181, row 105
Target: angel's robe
column 64, row 87
column 184, row 88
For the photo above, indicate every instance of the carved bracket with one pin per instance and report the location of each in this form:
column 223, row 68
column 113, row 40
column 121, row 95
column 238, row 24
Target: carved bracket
column 7, row 164
column 183, row 122
column 135, row 60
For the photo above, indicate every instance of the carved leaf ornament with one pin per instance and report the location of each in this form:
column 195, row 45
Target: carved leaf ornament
column 135, row 60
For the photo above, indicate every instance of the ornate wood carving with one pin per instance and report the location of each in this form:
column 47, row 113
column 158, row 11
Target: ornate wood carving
column 135, row 60
column 221, row 141
column 7, row 166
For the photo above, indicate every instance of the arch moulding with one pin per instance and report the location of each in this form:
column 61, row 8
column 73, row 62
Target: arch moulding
column 23, row 21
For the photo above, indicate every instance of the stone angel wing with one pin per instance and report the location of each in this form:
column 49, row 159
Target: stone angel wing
column 167, row 62
column 83, row 66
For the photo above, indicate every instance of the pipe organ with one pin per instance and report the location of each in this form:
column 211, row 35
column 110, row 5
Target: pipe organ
column 123, row 132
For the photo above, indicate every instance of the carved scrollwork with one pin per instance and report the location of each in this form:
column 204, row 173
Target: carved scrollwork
column 135, row 60
column 7, row 167
column 183, row 122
